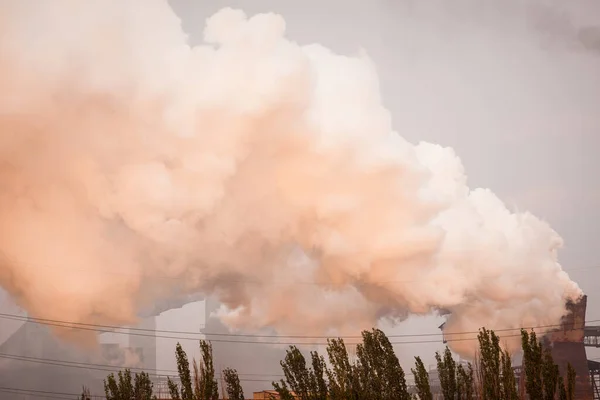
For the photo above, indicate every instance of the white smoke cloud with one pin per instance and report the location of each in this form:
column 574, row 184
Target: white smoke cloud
column 137, row 169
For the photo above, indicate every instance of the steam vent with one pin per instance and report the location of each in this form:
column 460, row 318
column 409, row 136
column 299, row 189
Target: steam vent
column 568, row 343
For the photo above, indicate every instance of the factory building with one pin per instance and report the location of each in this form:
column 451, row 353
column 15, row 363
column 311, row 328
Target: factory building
column 568, row 346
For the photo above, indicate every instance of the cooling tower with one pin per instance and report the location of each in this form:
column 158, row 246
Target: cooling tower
column 567, row 345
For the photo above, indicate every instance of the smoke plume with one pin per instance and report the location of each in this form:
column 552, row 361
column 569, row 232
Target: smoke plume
column 136, row 169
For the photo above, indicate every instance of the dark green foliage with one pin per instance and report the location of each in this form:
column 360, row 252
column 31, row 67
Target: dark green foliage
column 204, row 386
column 490, row 365
column 317, row 382
column 550, row 375
column 378, row 368
column 571, row 376
column 509, row 383
column 283, row 391
column 532, row 365
column 233, row 386
column 341, row 377
column 562, row 391
column 185, row 377
column 464, row 382
column 173, row 390
column 375, row 375
column 85, row 394
column 542, row 375
column 297, row 375
column 306, row 383
column 422, row 380
column 143, row 387
column 446, row 367
column 111, row 388
column 126, row 389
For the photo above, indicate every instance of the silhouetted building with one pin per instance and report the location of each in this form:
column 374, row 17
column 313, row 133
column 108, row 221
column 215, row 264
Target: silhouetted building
column 261, row 359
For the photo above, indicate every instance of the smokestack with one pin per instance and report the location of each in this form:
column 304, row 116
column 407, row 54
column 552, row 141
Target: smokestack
column 137, row 171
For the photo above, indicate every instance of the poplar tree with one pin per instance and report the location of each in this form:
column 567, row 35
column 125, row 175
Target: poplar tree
column 206, row 386
column 532, row 365
column 85, row 394
column 342, row 379
column 464, row 382
column 233, row 386
column 446, row 367
column 203, row 386
column 306, row 383
column 379, row 369
column 297, row 375
column 550, row 375
column 123, row 387
column 571, row 377
column 143, row 387
column 422, row 380
column 509, row 383
column 185, row 377
column 490, row 364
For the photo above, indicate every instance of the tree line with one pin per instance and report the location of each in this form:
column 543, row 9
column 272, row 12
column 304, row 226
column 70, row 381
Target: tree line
column 374, row 373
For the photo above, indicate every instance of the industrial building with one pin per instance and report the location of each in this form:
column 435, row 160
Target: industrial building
column 568, row 346
column 39, row 361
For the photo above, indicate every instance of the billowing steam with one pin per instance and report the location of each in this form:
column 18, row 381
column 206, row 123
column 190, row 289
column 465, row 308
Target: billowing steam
column 136, row 169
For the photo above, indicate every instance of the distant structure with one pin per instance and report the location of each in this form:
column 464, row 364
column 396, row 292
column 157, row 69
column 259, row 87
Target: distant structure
column 268, row 395
column 567, row 344
column 40, row 361
column 134, row 347
column 262, row 359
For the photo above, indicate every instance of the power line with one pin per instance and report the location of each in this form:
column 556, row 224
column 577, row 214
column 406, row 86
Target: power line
column 45, row 396
column 263, row 342
column 112, row 328
column 107, row 367
column 39, row 393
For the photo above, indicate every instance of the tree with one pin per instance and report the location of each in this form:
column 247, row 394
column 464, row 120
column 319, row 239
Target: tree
column 299, row 378
column 446, row 367
column 185, row 377
column 232, row 382
column 296, row 373
column 509, row 383
column 206, row 384
column 282, row 390
column 562, row 391
column 85, row 394
column 571, row 376
column 490, row 364
column 341, row 378
column 317, row 377
column 143, row 387
column 203, row 386
column 422, row 380
column 550, row 375
column 378, row 368
column 532, row 365
column 464, row 382
column 125, row 389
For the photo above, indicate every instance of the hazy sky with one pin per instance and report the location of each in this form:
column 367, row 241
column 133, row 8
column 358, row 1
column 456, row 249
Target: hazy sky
column 514, row 89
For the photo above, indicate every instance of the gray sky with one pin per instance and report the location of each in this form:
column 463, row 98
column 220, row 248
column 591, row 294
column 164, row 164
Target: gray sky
column 514, row 89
